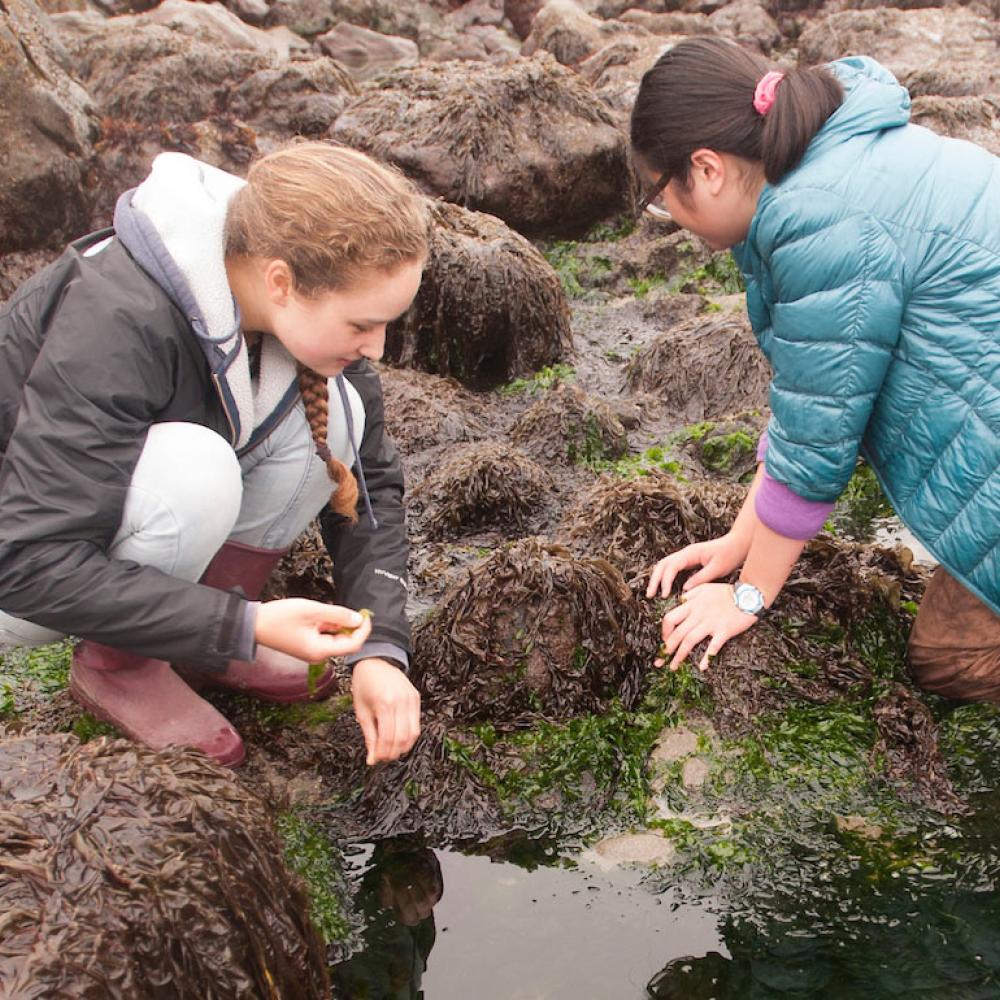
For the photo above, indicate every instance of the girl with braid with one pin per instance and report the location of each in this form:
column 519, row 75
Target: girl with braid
column 870, row 248
column 179, row 397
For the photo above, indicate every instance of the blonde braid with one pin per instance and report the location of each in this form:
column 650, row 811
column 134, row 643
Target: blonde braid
column 316, row 397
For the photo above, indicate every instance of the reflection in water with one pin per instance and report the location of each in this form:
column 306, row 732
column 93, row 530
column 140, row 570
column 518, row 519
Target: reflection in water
column 396, row 897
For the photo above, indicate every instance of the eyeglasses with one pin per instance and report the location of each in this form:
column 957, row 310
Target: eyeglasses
column 648, row 201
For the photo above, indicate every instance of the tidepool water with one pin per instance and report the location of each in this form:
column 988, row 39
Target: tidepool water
column 845, row 928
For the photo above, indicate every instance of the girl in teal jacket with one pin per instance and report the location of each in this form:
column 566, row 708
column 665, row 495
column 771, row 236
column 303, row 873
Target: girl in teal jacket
column 871, row 253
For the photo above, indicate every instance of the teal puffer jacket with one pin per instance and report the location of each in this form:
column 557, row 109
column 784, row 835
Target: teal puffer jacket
column 873, row 287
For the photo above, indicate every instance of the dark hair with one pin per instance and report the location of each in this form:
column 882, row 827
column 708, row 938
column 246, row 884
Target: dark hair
column 699, row 94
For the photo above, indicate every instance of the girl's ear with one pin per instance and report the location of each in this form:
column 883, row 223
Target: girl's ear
column 709, row 168
column 279, row 283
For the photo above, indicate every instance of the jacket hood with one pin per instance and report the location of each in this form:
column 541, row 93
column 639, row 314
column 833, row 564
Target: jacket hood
column 173, row 225
column 873, row 100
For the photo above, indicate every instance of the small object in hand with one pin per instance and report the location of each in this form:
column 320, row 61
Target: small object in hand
column 364, row 612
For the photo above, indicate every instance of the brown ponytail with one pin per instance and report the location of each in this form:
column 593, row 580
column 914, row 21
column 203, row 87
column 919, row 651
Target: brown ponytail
column 699, row 94
column 316, row 397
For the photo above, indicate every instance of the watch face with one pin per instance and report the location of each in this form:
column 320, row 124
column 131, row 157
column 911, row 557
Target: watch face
column 748, row 598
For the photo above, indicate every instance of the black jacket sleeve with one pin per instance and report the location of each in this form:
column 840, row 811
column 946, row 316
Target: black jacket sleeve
column 370, row 564
column 102, row 374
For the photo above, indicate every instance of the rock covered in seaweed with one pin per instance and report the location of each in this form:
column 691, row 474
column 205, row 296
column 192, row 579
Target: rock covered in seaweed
column 568, row 425
column 48, row 124
column 122, row 870
column 528, row 141
column 704, row 368
column 483, row 484
column 974, row 118
column 423, row 410
column 489, row 308
column 635, row 522
column 531, row 629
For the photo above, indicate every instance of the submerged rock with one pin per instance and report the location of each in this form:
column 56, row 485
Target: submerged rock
column 48, row 125
column 128, row 873
column 528, row 141
column 489, row 308
column 704, row 368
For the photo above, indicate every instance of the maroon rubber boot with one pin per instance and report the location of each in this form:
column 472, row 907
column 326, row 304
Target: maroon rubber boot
column 149, row 703
column 271, row 675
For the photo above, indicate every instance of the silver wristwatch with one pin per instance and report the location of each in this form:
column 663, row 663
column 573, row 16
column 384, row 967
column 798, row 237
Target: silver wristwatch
column 748, row 599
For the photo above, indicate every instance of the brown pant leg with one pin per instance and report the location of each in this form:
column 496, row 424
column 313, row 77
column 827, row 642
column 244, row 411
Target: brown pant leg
column 955, row 643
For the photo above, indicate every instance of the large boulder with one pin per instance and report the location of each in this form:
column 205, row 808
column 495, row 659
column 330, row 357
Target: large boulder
column 48, row 126
column 138, row 70
column 489, row 308
column 528, row 142
column 951, row 52
column 129, row 873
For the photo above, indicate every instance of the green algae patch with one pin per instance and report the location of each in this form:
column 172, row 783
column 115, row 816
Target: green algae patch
column 311, row 854
column 658, row 458
column 728, row 451
column 578, row 268
column 32, row 675
column 542, row 380
column 860, row 505
column 307, row 714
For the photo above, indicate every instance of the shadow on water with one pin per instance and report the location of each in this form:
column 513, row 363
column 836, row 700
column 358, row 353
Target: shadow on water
column 444, row 925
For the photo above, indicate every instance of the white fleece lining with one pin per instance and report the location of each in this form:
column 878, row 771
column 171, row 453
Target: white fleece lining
column 179, row 191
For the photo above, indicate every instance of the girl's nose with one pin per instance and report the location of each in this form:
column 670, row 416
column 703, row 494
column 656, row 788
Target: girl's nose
column 373, row 346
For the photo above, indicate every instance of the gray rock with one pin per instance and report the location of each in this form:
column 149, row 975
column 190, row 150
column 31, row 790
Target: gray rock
column 675, row 744
column 299, row 98
column 749, row 23
column 694, row 773
column 367, row 54
column 48, row 126
column 950, row 53
column 563, row 28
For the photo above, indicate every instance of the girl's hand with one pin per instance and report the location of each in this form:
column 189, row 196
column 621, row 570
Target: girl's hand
column 387, row 707
column 705, row 610
column 310, row 630
column 719, row 557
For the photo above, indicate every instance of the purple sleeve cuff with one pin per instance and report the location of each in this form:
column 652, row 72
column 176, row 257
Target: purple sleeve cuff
column 762, row 446
column 787, row 513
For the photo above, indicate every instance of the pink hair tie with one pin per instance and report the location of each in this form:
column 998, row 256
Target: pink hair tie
column 763, row 94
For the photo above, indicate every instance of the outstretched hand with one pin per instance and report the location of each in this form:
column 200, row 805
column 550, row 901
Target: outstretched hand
column 706, row 611
column 310, row 630
column 717, row 558
column 387, row 707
